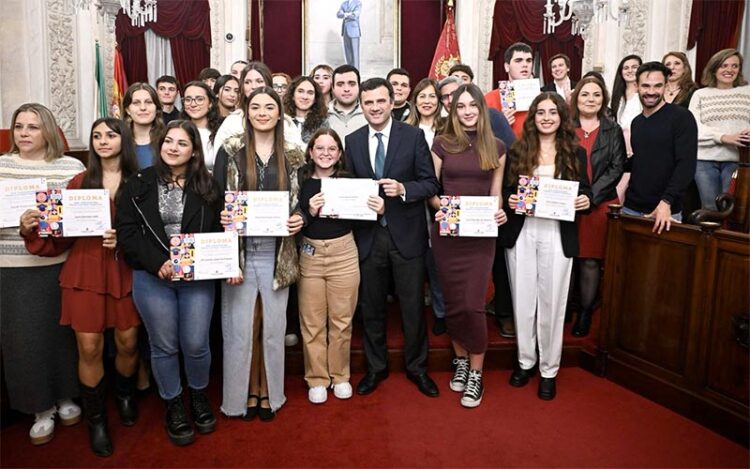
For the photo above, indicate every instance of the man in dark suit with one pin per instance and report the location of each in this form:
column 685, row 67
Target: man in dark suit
column 396, row 154
column 350, row 32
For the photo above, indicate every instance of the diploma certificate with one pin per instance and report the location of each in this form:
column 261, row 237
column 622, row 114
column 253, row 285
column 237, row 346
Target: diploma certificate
column 73, row 212
column 258, row 213
column 518, row 94
column 17, row 196
column 468, row 216
column 204, row 256
column 347, row 198
column 546, row 197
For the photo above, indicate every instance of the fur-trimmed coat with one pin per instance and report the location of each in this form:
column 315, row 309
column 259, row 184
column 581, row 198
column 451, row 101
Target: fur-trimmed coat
column 229, row 171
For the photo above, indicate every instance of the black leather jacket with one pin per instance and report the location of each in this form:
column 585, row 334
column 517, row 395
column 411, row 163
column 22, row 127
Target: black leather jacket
column 140, row 231
column 607, row 160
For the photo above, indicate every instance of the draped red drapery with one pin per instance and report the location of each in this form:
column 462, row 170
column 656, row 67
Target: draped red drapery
column 188, row 27
column 714, row 25
column 522, row 21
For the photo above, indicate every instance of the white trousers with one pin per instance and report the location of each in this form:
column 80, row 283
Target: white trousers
column 539, row 276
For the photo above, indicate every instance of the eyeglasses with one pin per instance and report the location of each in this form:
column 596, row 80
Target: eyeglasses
column 280, row 87
column 321, row 149
column 197, row 100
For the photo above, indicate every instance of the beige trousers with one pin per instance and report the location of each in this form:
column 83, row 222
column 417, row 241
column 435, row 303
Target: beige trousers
column 327, row 288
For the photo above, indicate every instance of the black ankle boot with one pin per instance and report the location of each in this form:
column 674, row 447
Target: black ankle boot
column 95, row 412
column 178, row 427
column 127, row 405
column 583, row 323
column 203, row 417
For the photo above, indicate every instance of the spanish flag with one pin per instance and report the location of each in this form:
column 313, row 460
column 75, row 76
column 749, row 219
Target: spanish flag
column 119, row 85
column 446, row 52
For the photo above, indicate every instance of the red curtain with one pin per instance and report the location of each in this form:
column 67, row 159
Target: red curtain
column 282, row 41
column 188, row 27
column 421, row 25
column 522, row 21
column 714, row 25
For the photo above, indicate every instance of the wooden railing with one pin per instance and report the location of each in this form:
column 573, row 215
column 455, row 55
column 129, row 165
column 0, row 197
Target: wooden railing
column 675, row 319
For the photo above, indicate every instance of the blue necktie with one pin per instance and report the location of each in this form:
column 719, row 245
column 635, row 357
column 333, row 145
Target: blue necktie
column 379, row 164
column 379, row 156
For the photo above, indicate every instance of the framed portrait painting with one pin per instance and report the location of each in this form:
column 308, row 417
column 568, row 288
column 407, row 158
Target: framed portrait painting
column 362, row 33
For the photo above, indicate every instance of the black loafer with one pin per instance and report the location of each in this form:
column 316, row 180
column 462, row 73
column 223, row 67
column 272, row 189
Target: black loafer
column 265, row 413
column 547, row 389
column 507, row 328
column 370, row 382
column 425, row 384
column 520, row 377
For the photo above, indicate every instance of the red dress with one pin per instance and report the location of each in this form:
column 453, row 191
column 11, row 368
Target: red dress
column 592, row 226
column 464, row 265
column 96, row 283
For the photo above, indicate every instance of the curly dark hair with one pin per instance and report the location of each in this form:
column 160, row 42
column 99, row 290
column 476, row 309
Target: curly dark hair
column 214, row 116
column 317, row 113
column 524, row 154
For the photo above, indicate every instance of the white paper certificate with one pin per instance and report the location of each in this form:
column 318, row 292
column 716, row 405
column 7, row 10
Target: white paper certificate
column 74, row 212
column 347, row 198
column 468, row 216
column 525, row 92
column 257, row 213
column 204, row 256
column 17, row 196
column 556, row 199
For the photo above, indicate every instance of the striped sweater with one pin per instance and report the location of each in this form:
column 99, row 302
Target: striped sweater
column 719, row 112
column 58, row 173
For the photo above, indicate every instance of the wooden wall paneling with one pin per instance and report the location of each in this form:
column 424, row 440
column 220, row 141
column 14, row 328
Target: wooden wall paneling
column 727, row 366
column 656, row 277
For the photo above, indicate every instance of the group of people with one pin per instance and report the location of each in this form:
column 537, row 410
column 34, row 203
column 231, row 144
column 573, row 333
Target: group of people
column 167, row 171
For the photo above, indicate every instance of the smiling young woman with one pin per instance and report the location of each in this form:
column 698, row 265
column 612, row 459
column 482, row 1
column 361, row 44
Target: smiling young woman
column 468, row 161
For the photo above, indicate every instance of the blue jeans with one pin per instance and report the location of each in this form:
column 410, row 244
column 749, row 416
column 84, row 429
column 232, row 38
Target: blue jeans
column 177, row 316
column 713, row 178
column 635, row 213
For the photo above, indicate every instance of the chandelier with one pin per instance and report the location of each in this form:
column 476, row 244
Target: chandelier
column 139, row 11
column 583, row 13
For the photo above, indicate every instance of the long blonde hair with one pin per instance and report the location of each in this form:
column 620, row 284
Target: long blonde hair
column 53, row 143
column 455, row 140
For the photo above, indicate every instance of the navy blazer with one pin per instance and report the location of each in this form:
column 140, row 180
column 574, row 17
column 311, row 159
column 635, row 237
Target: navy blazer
column 407, row 160
column 509, row 232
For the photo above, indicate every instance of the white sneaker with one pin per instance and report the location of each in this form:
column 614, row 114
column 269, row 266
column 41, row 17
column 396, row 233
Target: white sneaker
column 44, row 427
column 69, row 412
column 290, row 340
column 342, row 390
column 317, row 394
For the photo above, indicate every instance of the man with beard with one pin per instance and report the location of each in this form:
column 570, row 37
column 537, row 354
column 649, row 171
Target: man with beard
column 665, row 149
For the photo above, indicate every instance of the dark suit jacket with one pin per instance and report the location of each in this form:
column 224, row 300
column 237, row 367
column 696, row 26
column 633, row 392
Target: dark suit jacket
column 509, row 232
column 551, row 86
column 407, row 160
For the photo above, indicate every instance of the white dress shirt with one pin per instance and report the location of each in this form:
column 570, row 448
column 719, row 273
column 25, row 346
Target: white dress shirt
column 372, row 140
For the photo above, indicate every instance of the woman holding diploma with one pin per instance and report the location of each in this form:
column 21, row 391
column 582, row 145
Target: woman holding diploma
column 177, row 195
column 605, row 160
column 39, row 355
column 96, row 285
column 469, row 161
column 329, row 275
column 539, row 250
column 253, row 306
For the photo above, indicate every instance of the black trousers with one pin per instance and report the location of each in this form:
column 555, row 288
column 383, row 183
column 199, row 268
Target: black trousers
column 408, row 275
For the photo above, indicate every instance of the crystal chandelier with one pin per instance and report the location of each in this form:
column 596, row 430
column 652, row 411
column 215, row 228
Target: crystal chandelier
column 583, row 13
column 140, row 11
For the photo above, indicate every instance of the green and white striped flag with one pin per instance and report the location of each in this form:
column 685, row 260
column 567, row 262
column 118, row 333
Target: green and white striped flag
column 102, row 95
